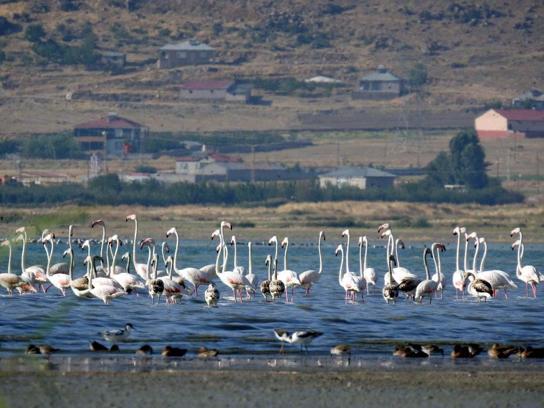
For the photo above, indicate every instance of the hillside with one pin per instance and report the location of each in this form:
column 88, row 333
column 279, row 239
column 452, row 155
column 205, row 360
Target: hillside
column 475, row 53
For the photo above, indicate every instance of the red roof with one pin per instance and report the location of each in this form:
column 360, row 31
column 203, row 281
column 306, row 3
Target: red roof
column 110, row 122
column 521, row 114
column 206, row 85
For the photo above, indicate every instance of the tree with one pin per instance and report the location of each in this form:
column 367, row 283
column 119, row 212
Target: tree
column 418, row 76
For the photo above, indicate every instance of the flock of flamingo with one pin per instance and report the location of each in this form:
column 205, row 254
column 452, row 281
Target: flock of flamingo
column 106, row 280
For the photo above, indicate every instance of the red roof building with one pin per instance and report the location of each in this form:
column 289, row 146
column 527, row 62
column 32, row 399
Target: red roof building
column 502, row 123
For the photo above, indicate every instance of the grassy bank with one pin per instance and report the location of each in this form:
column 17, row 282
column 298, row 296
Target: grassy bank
column 298, row 220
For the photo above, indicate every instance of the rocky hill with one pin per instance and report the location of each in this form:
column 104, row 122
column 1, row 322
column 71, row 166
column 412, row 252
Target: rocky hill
column 475, row 53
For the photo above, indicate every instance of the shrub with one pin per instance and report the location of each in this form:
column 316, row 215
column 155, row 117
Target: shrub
column 7, row 27
column 51, row 147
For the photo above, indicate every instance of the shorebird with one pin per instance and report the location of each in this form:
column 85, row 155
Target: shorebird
column 211, row 295
column 169, row 351
column 299, row 337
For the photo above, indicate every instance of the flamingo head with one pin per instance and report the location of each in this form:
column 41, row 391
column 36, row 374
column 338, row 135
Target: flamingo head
column 131, row 217
column 85, row 244
column 441, row 247
column 20, row 230
column 171, row 231
column 50, row 236
column 218, row 248
column 225, row 224
column 126, row 255
column 20, row 237
column 428, row 251
column 472, row 235
column 233, row 240
column 87, row 260
column 67, row 252
column 345, row 233
column 168, row 262
column 284, row 242
column 516, row 244
column 515, row 231
column 216, row 233
column 481, row 240
column 339, row 249
column 385, row 233
column 273, row 240
column 268, row 260
column 5, row 243
column 99, row 222
column 383, row 227
column 147, row 242
column 322, row 234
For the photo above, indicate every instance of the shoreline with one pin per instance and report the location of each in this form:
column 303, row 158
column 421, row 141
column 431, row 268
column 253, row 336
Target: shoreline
column 411, row 386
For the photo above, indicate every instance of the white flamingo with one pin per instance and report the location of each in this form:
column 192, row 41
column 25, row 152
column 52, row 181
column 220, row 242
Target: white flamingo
column 126, row 280
column 369, row 274
column 458, row 276
column 236, row 267
column 399, row 273
column 346, row 280
column 234, row 280
column 427, row 287
column 250, row 276
column 390, row 291
column 106, row 293
column 61, row 281
column 141, row 269
column 311, row 277
column 359, row 280
column 195, row 276
column 9, row 280
column 34, row 274
column 288, row 276
column 438, row 276
column 528, row 273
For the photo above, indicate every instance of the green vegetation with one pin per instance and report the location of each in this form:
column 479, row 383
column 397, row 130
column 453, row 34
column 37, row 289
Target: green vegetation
column 34, row 33
column 7, row 27
column 418, row 76
column 465, row 163
column 61, row 146
column 292, row 86
column 110, row 190
column 8, row 146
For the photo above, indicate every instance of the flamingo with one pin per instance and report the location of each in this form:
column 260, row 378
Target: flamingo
column 369, row 274
column 141, row 269
column 195, row 276
column 265, row 284
column 527, row 273
column 429, row 286
column 458, row 276
column 390, row 290
column 236, row 267
column 251, row 277
column 32, row 274
column 234, row 280
column 121, row 275
column 288, row 276
column 399, row 273
column 102, row 241
column 478, row 287
column 106, row 293
column 346, row 280
column 359, row 280
column 59, row 280
column 438, row 276
column 276, row 287
column 172, row 289
column 9, row 280
column 62, row 267
column 311, row 276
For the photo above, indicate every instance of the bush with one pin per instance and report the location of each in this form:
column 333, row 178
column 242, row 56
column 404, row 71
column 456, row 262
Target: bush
column 146, row 169
column 34, row 33
column 8, row 146
column 51, row 147
column 418, row 76
column 7, row 27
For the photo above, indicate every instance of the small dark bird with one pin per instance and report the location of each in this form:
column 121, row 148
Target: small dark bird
column 32, row 349
column 204, row 352
column 410, row 351
column 432, row 349
column 501, row 351
column 144, row 350
column 47, row 349
column 529, row 352
column 114, row 348
column 341, row 349
column 169, row 351
column 97, row 347
column 466, row 350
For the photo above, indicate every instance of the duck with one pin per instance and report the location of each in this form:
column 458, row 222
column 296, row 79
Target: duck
column 409, row 351
column 169, row 351
column 204, row 352
column 145, row 350
column 501, row 351
column 340, row 350
column 97, row 347
column 529, row 352
column 32, row 349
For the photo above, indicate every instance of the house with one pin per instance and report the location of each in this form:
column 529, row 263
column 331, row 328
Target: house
column 215, row 90
column 530, row 99
column 360, row 177
column 111, row 135
column 189, row 52
column 217, row 167
column 501, row 123
column 380, row 84
column 320, row 79
column 112, row 59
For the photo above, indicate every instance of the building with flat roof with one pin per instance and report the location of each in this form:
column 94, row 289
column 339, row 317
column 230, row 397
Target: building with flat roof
column 191, row 52
column 360, row 177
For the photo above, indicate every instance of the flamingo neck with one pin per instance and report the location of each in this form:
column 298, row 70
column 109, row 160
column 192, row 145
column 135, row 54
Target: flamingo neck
column 225, row 258
column 365, row 242
column 114, row 256
column 269, row 269
column 23, row 253
column 433, row 249
column 341, row 266
column 108, row 270
column 474, row 260
column 285, row 255
column 465, row 260
column 217, row 272
column 519, row 257
column 426, row 265
column 235, row 253
column 482, row 262
column 361, row 259
column 249, row 261
column 175, row 261
column 347, row 254
column 320, row 255
column 134, row 262
column 396, row 246
column 71, row 264
column 48, row 259
column 457, row 252
column 9, row 258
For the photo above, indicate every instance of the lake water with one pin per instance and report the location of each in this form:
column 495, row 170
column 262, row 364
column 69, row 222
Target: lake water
column 371, row 327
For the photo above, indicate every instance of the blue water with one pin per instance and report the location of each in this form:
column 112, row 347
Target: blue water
column 370, row 327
